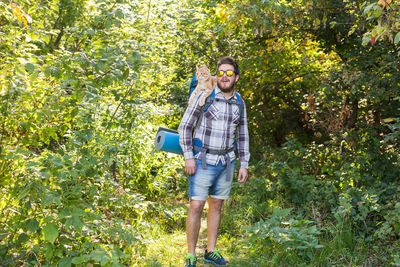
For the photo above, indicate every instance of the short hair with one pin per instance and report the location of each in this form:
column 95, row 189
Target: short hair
column 229, row 60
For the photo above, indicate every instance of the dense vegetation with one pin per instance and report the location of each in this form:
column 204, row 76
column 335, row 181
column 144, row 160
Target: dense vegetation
column 84, row 86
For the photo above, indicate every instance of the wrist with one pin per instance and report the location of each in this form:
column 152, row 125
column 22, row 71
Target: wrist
column 244, row 165
column 188, row 155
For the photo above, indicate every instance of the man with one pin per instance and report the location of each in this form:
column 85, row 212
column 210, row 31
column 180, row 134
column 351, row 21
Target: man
column 211, row 166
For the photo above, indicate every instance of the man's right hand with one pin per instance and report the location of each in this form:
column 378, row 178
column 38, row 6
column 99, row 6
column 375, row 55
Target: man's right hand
column 190, row 166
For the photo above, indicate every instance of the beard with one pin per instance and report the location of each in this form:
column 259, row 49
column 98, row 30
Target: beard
column 226, row 87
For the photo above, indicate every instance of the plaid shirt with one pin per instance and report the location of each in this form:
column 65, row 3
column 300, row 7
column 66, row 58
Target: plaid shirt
column 216, row 130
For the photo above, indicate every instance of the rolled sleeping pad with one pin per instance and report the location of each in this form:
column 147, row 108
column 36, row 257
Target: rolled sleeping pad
column 168, row 140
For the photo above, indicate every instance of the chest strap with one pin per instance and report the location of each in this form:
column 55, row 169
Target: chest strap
column 223, row 152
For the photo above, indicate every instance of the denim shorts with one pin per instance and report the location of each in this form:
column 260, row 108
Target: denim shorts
column 210, row 182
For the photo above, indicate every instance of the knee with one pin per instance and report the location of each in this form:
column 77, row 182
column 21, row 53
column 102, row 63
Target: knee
column 196, row 206
column 215, row 204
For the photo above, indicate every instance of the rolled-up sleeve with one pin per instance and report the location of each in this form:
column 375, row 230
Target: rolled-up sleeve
column 243, row 140
column 187, row 125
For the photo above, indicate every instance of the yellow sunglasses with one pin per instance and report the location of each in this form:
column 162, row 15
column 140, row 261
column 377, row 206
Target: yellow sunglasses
column 228, row 73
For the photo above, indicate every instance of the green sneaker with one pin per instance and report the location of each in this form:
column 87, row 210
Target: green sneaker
column 190, row 260
column 215, row 258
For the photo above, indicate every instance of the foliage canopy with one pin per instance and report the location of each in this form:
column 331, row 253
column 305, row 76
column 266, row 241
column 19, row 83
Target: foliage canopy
column 85, row 84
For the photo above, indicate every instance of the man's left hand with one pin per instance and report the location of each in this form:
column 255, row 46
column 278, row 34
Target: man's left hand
column 242, row 176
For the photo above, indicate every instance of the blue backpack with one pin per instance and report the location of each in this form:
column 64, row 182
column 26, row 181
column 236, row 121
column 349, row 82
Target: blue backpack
column 210, row 99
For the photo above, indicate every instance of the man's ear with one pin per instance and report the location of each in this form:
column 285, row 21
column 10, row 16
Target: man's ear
column 237, row 78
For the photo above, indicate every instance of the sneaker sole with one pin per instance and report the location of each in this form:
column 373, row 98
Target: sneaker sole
column 210, row 261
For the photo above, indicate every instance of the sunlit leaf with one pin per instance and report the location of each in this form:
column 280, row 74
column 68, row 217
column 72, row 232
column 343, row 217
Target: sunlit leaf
column 397, row 38
column 388, row 120
column 377, row 11
column 366, row 39
column 50, row 232
column 65, row 262
column 29, row 67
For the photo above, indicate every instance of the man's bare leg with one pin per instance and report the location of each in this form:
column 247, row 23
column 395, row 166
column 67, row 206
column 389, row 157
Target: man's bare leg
column 193, row 222
column 213, row 221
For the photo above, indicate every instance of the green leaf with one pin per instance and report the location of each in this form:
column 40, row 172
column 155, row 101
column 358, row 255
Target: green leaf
column 47, row 219
column 32, row 225
column 47, row 72
column 377, row 11
column 23, row 193
column 59, row 252
column 91, row 32
column 77, row 223
column 57, row 201
column 68, row 223
column 65, row 262
column 108, row 23
column 125, row 75
column 74, row 112
column 29, row 67
column 63, row 240
column 45, row 176
column 36, row 248
column 48, row 250
column 100, row 66
column 22, row 238
column 80, row 259
column 50, row 232
column 282, row 213
column 20, row 69
column 117, row 23
column 397, row 38
column 367, row 10
column 119, row 14
column 387, row 120
column 47, row 199
column 33, row 76
column 78, row 211
column 56, row 72
column 100, row 256
column 366, row 39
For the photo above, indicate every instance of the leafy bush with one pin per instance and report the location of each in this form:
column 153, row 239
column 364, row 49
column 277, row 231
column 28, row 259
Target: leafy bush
column 357, row 183
column 277, row 233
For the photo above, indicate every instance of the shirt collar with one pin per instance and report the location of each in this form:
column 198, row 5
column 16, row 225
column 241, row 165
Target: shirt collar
column 219, row 92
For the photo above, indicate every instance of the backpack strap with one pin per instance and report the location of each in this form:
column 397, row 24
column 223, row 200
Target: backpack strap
column 241, row 105
column 209, row 100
